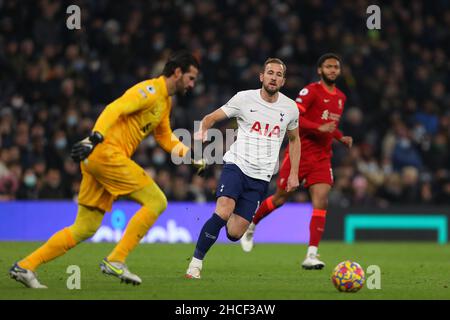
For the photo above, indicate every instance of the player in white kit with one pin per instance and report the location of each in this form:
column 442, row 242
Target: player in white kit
column 264, row 116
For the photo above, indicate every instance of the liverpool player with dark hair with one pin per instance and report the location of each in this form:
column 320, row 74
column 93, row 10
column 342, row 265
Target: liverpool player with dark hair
column 321, row 105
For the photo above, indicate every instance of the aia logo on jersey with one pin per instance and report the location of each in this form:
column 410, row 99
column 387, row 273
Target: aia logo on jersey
column 266, row 131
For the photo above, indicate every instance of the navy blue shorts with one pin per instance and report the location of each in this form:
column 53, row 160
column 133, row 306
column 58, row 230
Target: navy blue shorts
column 246, row 191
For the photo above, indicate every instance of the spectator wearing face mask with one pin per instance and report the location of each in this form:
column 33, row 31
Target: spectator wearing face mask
column 29, row 188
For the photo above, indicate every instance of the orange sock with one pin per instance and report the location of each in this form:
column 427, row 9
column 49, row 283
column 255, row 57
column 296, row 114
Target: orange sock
column 56, row 246
column 137, row 228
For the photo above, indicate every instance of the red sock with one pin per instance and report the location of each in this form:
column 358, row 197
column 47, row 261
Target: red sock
column 264, row 210
column 316, row 226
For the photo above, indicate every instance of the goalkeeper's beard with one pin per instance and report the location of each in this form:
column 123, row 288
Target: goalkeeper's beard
column 180, row 90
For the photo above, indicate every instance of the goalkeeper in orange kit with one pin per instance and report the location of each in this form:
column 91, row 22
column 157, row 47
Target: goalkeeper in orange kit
column 108, row 172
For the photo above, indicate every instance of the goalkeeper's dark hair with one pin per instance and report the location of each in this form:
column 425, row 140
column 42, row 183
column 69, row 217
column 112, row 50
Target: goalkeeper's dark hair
column 326, row 56
column 182, row 60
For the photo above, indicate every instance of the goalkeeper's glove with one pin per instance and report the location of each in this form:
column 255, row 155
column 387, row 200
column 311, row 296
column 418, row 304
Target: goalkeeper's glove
column 200, row 165
column 82, row 149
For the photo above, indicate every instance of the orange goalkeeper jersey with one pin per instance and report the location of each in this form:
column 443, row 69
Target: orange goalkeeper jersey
column 141, row 110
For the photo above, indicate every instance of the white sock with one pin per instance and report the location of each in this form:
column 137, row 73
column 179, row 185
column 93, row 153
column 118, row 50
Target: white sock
column 252, row 227
column 312, row 250
column 196, row 262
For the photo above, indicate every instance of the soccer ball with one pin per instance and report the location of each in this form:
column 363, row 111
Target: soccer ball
column 348, row 276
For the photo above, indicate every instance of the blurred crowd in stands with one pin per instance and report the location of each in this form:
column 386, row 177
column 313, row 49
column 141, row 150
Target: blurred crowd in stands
column 54, row 82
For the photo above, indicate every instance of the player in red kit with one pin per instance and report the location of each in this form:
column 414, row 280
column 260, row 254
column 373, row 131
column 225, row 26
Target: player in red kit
column 321, row 105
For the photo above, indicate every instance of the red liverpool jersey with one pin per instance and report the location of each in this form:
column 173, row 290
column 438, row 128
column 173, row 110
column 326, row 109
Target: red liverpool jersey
column 318, row 106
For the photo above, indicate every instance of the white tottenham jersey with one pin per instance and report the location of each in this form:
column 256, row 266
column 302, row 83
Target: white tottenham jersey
column 261, row 128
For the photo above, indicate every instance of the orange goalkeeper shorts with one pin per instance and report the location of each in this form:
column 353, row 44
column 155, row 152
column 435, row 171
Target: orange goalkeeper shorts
column 108, row 174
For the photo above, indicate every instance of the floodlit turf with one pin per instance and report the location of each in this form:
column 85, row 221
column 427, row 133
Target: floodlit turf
column 271, row 271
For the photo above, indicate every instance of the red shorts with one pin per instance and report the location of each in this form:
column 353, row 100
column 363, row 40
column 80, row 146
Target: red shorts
column 309, row 172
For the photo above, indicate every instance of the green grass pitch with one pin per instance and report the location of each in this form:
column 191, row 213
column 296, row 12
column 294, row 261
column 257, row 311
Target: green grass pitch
column 270, row 271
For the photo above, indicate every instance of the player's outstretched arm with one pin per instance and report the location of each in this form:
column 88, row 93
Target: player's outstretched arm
column 128, row 103
column 207, row 122
column 169, row 142
column 294, row 157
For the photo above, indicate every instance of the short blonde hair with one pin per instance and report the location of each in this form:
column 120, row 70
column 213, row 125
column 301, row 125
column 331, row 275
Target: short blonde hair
column 275, row 60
